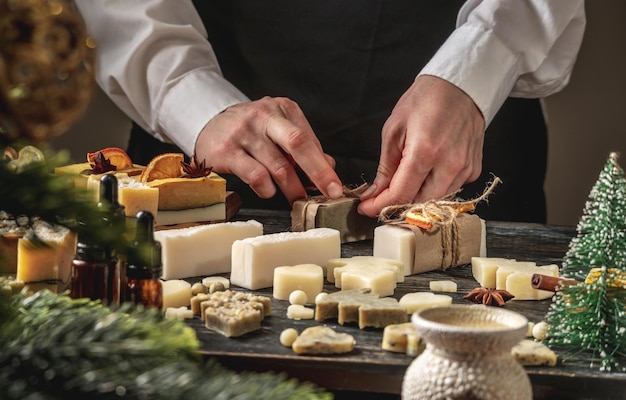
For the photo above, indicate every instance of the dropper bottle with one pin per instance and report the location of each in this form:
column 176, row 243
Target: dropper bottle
column 143, row 268
column 95, row 267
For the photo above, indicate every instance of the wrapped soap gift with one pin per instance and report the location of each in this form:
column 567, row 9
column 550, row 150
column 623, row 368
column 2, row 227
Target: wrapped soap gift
column 439, row 248
column 340, row 214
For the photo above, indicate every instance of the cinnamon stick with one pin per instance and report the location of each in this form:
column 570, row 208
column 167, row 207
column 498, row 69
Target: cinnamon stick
column 552, row 283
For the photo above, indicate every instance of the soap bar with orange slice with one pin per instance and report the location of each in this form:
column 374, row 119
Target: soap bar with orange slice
column 118, row 159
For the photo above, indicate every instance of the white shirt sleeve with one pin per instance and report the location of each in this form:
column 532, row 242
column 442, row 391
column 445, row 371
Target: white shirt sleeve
column 154, row 62
column 518, row 48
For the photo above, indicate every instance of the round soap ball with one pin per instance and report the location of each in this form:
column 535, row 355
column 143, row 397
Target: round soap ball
column 320, row 296
column 540, row 331
column 288, row 336
column 298, row 297
column 197, row 288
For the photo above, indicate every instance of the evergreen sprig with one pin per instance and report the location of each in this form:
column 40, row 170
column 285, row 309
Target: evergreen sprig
column 591, row 317
column 53, row 347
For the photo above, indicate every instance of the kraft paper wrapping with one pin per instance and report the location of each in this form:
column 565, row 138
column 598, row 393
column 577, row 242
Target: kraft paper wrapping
column 446, row 246
column 340, row 214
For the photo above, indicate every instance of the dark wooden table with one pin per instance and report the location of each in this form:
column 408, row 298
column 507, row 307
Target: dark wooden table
column 376, row 373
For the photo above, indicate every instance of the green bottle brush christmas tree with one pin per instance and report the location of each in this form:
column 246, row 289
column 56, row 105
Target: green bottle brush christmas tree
column 591, row 315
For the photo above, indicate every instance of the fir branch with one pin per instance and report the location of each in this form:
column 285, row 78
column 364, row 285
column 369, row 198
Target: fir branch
column 52, row 346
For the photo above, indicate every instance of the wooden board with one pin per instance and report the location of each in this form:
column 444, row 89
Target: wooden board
column 369, row 368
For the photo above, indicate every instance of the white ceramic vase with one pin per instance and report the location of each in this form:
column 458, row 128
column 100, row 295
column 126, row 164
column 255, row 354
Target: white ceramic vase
column 467, row 355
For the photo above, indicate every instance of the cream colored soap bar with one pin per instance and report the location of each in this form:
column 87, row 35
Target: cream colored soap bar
column 254, row 259
column 531, row 353
column 50, row 264
column 214, row 212
column 323, row 340
column 397, row 267
column 176, row 293
column 202, row 250
column 484, row 269
column 402, row 338
column 306, row 277
column 416, row 301
column 422, row 251
column 519, row 284
column 134, row 195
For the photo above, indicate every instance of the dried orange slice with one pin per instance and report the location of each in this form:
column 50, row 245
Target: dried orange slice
column 163, row 166
column 417, row 218
column 115, row 155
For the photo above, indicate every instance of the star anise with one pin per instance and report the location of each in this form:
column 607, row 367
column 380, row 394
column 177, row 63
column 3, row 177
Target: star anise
column 489, row 297
column 194, row 169
column 101, row 164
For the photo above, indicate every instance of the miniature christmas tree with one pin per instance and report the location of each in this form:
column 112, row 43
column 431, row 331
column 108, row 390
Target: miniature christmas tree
column 591, row 316
column 600, row 239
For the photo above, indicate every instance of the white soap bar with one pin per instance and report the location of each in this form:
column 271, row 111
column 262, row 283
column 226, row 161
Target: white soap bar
column 306, row 277
column 381, row 281
column 443, row 286
column 202, row 250
column 519, row 284
column 484, row 270
column 395, row 243
column 214, row 212
column 399, row 244
column 297, row 311
column 254, row 259
column 362, row 261
column 176, row 293
column 416, row 301
column 506, row 269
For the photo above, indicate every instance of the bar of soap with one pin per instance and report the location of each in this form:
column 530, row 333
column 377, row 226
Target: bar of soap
column 134, row 195
column 297, row 311
column 213, row 212
column 340, row 214
column 423, row 250
column 51, row 265
column 531, row 353
column 358, row 261
column 360, row 306
column 323, row 340
column 202, row 250
column 185, row 193
column 402, row 338
column 484, row 269
column 254, row 259
column 176, row 293
column 306, row 277
column 443, row 286
column 416, row 301
column 233, row 313
column 519, row 284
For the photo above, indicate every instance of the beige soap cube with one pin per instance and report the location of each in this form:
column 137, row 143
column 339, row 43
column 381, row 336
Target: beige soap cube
column 356, row 262
column 519, row 284
column 306, row 277
column 484, row 270
column 380, row 281
column 443, row 286
column 176, row 293
column 416, row 301
column 504, row 270
column 531, row 353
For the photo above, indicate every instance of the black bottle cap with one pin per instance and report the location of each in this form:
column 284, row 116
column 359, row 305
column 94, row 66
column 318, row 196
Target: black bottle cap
column 108, row 199
column 145, row 252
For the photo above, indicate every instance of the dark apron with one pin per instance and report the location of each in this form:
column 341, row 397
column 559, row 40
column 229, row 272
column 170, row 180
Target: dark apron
column 346, row 63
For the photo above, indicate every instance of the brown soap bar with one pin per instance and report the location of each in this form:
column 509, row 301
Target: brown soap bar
column 361, row 306
column 340, row 214
column 233, row 313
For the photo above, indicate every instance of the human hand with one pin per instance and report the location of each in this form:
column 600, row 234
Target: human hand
column 431, row 145
column 263, row 142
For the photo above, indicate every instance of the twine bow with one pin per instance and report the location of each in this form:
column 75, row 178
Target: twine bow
column 442, row 211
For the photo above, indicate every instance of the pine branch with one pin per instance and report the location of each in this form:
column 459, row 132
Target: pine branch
column 53, row 347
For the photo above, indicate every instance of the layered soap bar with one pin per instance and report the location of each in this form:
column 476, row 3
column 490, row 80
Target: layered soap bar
column 340, row 214
column 423, row 250
column 204, row 249
column 254, row 259
column 48, row 266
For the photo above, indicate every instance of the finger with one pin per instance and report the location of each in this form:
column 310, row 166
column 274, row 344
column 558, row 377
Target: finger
column 306, row 152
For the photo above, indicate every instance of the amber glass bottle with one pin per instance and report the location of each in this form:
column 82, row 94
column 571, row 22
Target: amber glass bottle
column 90, row 273
column 143, row 265
column 114, row 215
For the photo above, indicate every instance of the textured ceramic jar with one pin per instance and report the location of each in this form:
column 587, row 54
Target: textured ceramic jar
column 468, row 355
